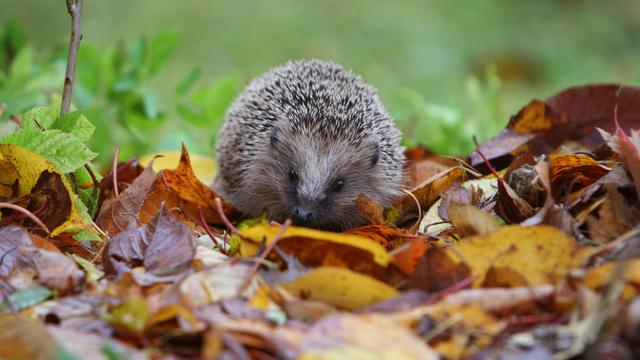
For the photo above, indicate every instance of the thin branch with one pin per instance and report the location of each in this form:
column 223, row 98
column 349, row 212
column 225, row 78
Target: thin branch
column 74, row 7
column 114, row 172
column 265, row 253
column 96, row 183
column 204, row 224
column 27, row 213
column 224, row 218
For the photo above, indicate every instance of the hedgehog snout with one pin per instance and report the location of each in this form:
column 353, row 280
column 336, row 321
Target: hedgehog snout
column 302, row 215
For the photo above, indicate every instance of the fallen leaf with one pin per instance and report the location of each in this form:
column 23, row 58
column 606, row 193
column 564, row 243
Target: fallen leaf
column 204, row 167
column 436, row 271
column 164, row 247
column 38, row 175
column 91, row 346
column 407, row 256
column 348, row 336
column 121, row 213
column 573, row 172
column 428, row 192
column 603, row 275
column 389, row 237
column 433, row 224
column 541, row 254
column 468, row 220
column 315, row 248
column 340, row 287
column 217, row 283
column 371, row 209
column 23, row 338
column 180, row 188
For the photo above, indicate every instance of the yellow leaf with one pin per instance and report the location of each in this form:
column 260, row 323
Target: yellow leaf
column 29, row 167
column 169, row 312
column 266, row 231
column 602, row 275
column 539, row 254
column 203, row 166
column 462, row 321
column 340, row 287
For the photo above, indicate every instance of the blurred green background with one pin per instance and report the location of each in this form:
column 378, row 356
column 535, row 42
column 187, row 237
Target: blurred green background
column 153, row 73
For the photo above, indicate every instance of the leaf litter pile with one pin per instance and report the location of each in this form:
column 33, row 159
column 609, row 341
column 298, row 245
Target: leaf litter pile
column 528, row 248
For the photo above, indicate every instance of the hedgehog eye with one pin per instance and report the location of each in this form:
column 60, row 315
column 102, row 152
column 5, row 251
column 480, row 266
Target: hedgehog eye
column 293, row 175
column 338, row 185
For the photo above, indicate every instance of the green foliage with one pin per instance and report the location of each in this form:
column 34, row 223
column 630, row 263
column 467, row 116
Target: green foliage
column 64, row 150
column 448, row 130
column 113, row 88
column 23, row 298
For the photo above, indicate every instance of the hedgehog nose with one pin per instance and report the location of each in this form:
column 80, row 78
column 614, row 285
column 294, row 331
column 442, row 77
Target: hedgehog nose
column 302, row 216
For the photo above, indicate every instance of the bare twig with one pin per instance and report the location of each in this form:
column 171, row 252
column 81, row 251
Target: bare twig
column 95, row 181
column 265, row 253
column 224, row 218
column 27, row 213
column 114, row 172
column 417, row 224
column 74, row 7
column 204, row 224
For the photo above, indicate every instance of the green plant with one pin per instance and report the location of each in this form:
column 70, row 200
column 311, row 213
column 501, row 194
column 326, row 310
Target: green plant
column 448, row 129
column 113, row 87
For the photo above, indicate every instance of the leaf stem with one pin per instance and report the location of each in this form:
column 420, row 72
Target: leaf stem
column 27, row 213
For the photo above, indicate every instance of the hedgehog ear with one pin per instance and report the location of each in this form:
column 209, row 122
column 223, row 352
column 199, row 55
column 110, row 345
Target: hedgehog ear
column 373, row 158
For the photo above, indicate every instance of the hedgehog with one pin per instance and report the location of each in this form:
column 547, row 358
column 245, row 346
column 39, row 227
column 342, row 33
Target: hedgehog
column 303, row 141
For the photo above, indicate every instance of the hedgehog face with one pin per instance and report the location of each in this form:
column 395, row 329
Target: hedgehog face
column 318, row 183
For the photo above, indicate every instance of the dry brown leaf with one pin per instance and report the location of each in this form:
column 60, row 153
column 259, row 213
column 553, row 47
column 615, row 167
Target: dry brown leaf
column 181, row 189
column 572, row 172
column 23, row 338
column 119, row 214
column 388, row 237
column 428, row 192
column 348, row 336
column 371, row 209
column 436, row 271
column 468, row 220
column 164, row 246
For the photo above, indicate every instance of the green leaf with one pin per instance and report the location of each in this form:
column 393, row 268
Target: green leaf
column 76, row 124
column 161, row 46
column 23, row 298
column 131, row 315
column 86, row 236
column 83, row 177
column 89, row 198
column 150, row 105
column 214, row 101
column 187, row 82
column 82, row 208
column 65, row 151
column 111, row 353
column 23, row 63
column 40, row 117
column 63, row 354
column 13, row 38
column 93, row 273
